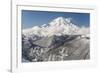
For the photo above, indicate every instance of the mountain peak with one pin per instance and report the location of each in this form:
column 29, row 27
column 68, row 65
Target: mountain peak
column 58, row 21
column 62, row 19
column 59, row 18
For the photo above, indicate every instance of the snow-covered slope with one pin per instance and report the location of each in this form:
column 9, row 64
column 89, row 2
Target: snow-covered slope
column 58, row 26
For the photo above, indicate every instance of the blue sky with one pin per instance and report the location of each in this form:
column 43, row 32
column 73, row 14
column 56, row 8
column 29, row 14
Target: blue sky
column 32, row 18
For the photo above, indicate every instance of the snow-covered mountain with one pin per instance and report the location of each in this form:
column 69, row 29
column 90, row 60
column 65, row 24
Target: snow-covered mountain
column 58, row 40
column 58, row 26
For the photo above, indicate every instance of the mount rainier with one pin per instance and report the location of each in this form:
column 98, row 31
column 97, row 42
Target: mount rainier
column 58, row 40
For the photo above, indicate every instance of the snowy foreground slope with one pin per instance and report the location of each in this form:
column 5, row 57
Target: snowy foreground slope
column 58, row 40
